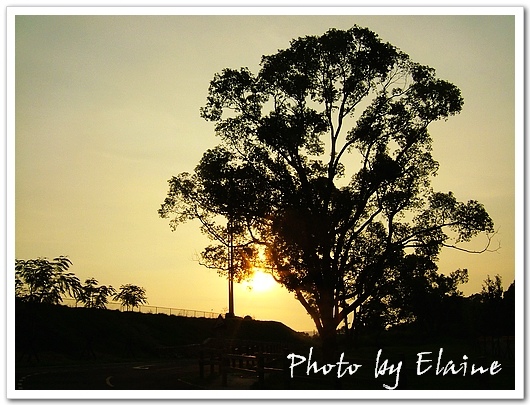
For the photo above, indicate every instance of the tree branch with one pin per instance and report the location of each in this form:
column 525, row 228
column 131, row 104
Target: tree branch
column 485, row 249
column 310, row 310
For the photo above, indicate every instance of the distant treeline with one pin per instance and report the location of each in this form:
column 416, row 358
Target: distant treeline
column 488, row 313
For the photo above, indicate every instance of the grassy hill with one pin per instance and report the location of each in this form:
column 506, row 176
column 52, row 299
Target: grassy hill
column 55, row 333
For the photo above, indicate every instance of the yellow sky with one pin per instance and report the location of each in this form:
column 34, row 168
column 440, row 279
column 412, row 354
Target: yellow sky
column 107, row 110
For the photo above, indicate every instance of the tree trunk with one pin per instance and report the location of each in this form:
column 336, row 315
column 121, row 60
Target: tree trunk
column 329, row 343
column 329, row 328
column 325, row 323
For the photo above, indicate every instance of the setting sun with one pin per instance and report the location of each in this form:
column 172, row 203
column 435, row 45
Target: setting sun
column 261, row 281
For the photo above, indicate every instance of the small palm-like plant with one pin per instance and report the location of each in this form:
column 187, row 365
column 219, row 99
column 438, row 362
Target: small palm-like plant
column 131, row 296
column 45, row 281
column 94, row 296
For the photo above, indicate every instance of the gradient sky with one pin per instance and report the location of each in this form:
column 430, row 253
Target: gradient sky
column 107, row 110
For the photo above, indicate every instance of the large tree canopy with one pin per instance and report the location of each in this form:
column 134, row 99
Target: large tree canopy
column 324, row 165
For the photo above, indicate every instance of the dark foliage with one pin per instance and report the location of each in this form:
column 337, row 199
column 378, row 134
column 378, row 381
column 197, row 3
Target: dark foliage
column 324, row 167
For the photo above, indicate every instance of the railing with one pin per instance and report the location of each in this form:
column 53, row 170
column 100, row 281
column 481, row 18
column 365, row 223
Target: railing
column 244, row 357
column 148, row 309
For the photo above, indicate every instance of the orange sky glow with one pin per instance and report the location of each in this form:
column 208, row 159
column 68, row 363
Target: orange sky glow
column 107, row 110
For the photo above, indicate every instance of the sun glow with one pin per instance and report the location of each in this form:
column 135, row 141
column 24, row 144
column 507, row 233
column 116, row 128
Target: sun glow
column 261, row 281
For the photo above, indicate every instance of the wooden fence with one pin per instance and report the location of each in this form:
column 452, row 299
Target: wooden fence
column 502, row 346
column 258, row 358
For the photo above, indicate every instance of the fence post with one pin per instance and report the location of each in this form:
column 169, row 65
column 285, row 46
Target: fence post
column 261, row 369
column 286, row 375
column 201, row 364
column 225, row 364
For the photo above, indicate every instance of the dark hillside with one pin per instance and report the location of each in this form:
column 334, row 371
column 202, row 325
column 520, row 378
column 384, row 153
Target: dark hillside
column 56, row 333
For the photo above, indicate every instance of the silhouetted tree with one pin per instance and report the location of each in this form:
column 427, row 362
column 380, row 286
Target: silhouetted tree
column 45, row 281
column 229, row 259
column 489, row 312
column 94, row 296
column 509, row 310
column 492, row 290
column 331, row 225
column 131, row 296
column 413, row 293
column 427, row 298
column 220, row 194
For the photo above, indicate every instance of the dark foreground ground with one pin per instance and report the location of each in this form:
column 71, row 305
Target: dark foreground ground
column 150, row 375
column 184, row 373
column 59, row 348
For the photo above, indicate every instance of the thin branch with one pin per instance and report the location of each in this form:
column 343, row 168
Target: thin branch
column 412, row 236
column 485, row 249
column 209, row 228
